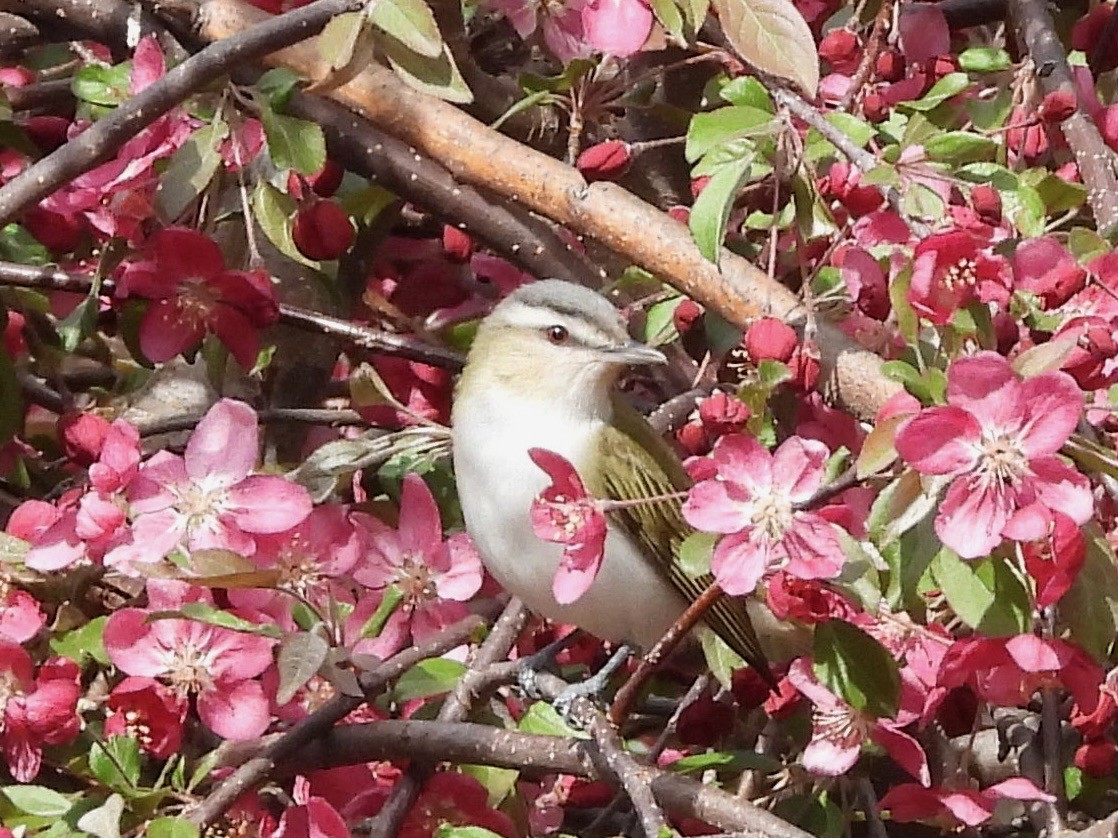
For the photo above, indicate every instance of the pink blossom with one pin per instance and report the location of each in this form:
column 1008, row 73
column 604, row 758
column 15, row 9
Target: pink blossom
column 208, row 499
column 998, row 437
column 616, row 27
column 149, row 712
column 952, row 270
column 561, row 23
column 21, row 616
column 1055, row 560
column 1046, row 268
column 323, row 546
column 451, row 797
column 924, row 33
column 565, row 513
column 1008, row 670
column 951, row 808
column 838, row 731
column 217, row 665
column 35, row 709
column 433, row 577
column 192, row 293
column 752, row 497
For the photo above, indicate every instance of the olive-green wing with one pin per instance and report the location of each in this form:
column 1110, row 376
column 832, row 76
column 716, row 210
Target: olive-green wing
column 637, row 464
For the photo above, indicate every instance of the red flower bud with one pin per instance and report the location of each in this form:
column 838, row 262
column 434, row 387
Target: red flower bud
column 841, row 49
column 693, row 438
column 941, row 65
column 722, row 414
column 457, row 244
column 322, row 230
column 890, row 65
column 680, row 214
column 325, row 181
column 875, row 108
column 770, row 338
column 805, row 368
column 605, row 161
column 16, row 76
column 1057, row 106
column 686, row 315
column 987, row 203
column 1097, row 759
column 705, row 721
column 82, row 436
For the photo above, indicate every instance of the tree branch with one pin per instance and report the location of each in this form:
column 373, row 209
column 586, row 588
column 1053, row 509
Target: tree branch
column 619, row 220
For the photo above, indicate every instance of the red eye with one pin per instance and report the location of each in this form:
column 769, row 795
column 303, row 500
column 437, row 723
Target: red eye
column 557, row 334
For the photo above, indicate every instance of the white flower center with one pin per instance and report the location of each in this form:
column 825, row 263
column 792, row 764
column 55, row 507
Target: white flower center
column 188, row 669
column 773, row 515
column 844, row 726
column 1002, row 462
column 200, row 504
column 415, row 580
column 298, row 567
column 963, row 274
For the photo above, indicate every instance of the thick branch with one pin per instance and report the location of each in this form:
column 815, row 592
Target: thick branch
column 1037, row 34
column 606, row 212
column 99, row 142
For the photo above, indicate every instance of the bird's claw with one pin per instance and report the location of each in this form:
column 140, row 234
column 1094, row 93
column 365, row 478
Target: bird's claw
column 592, row 688
column 532, row 665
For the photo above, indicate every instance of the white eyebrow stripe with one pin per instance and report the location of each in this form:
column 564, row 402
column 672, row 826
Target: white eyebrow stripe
column 537, row 317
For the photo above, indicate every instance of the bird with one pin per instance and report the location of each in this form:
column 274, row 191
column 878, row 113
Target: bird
column 542, row 373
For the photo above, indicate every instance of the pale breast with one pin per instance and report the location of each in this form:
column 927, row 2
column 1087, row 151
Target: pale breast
column 629, row 601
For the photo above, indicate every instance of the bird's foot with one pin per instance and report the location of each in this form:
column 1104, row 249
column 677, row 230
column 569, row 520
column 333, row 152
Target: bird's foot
column 592, row 687
column 536, row 663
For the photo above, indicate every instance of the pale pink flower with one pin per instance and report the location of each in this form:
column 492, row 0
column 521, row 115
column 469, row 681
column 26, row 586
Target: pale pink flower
column 616, row 27
column 951, row 808
column 217, row 665
column 751, row 495
column 998, row 437
column 565, row 513
column 839, row 730
column 560, row 21
column 21, row 616
column 433, row 577
column 208, row 499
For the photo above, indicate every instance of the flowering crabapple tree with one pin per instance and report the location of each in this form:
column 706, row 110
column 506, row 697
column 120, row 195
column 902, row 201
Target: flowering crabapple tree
column 244, row 246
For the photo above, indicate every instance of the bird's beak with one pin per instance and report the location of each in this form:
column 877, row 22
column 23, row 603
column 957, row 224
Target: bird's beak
column 635, row 353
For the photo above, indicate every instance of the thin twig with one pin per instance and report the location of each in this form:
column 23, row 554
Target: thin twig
column 870, row 52
column 303, row 415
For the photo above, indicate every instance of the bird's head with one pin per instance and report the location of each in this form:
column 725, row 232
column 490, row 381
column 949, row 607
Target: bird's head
column 554, row 341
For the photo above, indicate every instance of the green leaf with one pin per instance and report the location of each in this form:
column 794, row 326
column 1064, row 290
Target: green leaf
column 721, row 659
column 300, row 655
column 279, row 83
column 1090, row 607
column 727, row 762
column 500, row 783
column 11, row 399
column 921, row 201
column 203, row 612
column 18, row 245
column 126, row 752
column 99, row 85
column 294, row 143
column 714, row 128
column 858, row 130
column 37, row 800
column 338, row 42
column 950, row 85
column 543, row 719
column 1025, row 208
column 104, row 821
column 427, row 678
column 1086, row 245
column 659, row 323
column 272, row 210
column 856, row 668
column 171, row 828
column 773, row 36
column 747, row 90
column 711, row 210
column 670, row 17
column 447, row 830
column 984, row 60
column 191, row 169
column 392, row 597
column 434, row 76
column 960, row 147
column 1057, row 194
column 695, row 553
column 83, row 644
column 410, row 22
column 986, row 594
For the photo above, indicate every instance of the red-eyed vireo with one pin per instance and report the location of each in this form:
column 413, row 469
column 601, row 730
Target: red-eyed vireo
column 541, row 374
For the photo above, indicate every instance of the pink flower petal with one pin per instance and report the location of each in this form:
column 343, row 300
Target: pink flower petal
column 616, row 27
column 265, row 503
column 1053, row 404
column 237, row 711
column 986, row 385
column 463, row 576
column 924, row 33
column 185, row 254
column 1063, row 489
column 829, row 758
column 710, row 508
column 743, row 460
column 168, row 330
column 970, row 807
column 420, row 527
column 940, row 440
column 904, row 750
column 813, row 548
column 740, row 560
column 1019, row 788
column 797, row 467
column 223, row 448
column 128, row 642
column 237, row 333
column 972, row 517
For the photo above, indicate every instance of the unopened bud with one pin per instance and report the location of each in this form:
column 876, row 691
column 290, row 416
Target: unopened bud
column 1057, row 106
column 605, row 161
column 987, row 203
column 770, row 339
column 322, row 230
column 457, row 244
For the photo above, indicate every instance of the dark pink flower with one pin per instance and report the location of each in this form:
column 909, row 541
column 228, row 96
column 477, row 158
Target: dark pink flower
column 192, row 293
column 451, row 797
column 998, row 437
column 434, row 577
column 565, row 513
column 752, row 499
column 217, row 665
column 805, row 599
column 838, row 731
column 1091, row 361
column 952, row 270
column 148, row 711
column 561, row 23
column 21, row 616
column 952, row 808
column 208, row 499
column 35, row 709
column 310, row 817
column 1008, row 670
column 1046, row 268
column 1055, row 560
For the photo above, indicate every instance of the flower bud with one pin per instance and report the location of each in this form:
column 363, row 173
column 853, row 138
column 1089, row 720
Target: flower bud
column 605, row 161
column 987, row 203
column 722, row 414
column 698, row 184
column 16, row 76
column 46, row 132
column 82, row 436
column 941, row 65
column 693, row 438
column 771, row 339
column 686, row 315
column 325, row 181
column 841, row 49
column 805, row 367
column 890, row 65
column 322, row 230
column 56, row 232
column 680, row 213
column 457, row 244
column 1097, row 759
column 875, row 108
column 1057, row 106
column 1088, row 363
